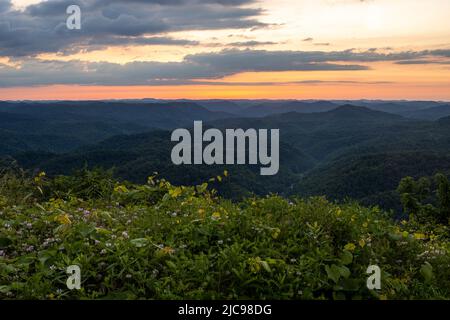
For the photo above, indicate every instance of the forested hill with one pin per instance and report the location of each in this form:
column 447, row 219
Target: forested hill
column 349, row 151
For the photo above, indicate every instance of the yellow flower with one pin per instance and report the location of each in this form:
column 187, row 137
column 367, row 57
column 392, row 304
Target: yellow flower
column 365, row 224
column 216, row 216
column 350, row 247
column 255, row 264
column 420, row 236
column 120, row 189
column 63, row 219
column 275, row 233
column 362, row 243
column 167, row 250
column 174, row 193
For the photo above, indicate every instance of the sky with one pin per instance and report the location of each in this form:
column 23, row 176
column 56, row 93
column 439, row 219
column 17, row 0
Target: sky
column 233, row 49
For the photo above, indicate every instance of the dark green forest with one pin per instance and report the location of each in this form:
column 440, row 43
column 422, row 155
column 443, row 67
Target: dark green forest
column 92, row 184
column 349, row 151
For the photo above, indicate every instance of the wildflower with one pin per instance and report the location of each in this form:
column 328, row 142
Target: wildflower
column 420, row 236
column 30, row 248
column 167, row 250
column 275, row 233
column 128, row 276
column 103, row 251
column 215, row 216
column 59, row 291
column 108, row 245
column 29, row 225
column 255, row 264
column 350, row 247
column 293, row 260
column 362, row 243
column 2, row 253
column 52, row 267
column 63, row 219
column 125, row 235
column 220, row 242
column 173, row 214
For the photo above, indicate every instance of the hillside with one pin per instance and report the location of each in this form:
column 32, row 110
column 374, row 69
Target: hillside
column 66, row 126
column 317, row 150
column 158, row 241
column 433, row 113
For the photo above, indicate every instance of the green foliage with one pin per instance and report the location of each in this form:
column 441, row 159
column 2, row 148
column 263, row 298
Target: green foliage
column 160, row 241
column 425, row 199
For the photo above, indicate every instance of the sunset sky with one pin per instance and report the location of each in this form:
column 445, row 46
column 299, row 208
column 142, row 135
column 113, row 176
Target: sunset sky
column 275, row 49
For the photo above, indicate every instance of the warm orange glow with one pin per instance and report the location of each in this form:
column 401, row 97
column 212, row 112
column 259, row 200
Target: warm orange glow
column 388, row 26
column 436, row 91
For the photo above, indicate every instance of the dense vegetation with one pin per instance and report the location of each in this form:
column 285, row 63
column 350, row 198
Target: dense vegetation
column 348, row 152
column 160, row 241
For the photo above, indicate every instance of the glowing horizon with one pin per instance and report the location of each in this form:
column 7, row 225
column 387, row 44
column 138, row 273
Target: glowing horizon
column 341, row 49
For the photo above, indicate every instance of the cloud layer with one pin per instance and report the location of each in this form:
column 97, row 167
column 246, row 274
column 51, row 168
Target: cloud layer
column 41, row 28
column 204, row 66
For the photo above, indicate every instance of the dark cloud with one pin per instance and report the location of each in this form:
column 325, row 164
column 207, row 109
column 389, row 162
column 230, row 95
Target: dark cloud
column 252, row 43
column 200, row 66
column 307, row 39
column 41, row 27
column 5, row 5
column 193, row 67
